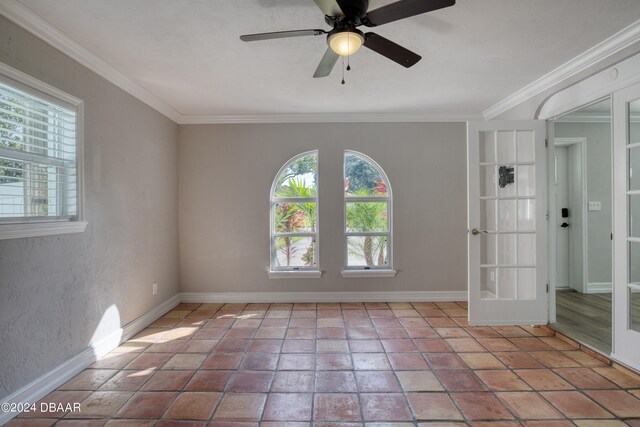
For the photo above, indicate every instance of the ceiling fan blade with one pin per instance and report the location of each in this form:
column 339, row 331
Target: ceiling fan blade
column 403, row 9
column 329, row 7
column 327, row 63
column 280, row 35
column 394, row 52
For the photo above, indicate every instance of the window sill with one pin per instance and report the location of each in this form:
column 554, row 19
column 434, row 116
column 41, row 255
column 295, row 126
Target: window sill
column 368, row 273
column 295, row 274
column 37, row 229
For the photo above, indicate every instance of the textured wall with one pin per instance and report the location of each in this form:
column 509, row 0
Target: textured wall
column 226, row 173
column 55, row 290
column 598, row 190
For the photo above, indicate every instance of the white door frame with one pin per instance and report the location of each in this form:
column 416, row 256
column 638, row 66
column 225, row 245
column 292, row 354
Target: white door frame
column 626, row 342
column 553, row 212
column 572, row 100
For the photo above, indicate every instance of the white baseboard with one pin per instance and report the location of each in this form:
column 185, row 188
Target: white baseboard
column 273, row 297
column 40, row 387
column 502, row 322
column 598, row 288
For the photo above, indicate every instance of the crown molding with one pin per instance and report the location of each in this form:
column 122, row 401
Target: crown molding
column 592, row 117
column 584, row 118
column 326, row 118
column 590, row 57
column 43, row 29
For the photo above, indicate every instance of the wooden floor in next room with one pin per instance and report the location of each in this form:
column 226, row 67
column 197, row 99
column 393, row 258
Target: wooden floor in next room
column 585, row 318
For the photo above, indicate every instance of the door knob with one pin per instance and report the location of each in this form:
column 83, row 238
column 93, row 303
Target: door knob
column 475, row 231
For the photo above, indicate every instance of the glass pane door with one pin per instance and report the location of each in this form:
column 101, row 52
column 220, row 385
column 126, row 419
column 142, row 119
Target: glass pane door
column 507, row 215
column 507, row 229
column 626, row 169
column 633, row 209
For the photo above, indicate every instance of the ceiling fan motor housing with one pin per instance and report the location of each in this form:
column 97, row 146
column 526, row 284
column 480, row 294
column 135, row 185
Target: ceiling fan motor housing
column 354, row 11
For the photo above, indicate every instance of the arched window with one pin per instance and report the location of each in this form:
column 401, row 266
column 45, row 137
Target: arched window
column 367, row 214
column 294, row 215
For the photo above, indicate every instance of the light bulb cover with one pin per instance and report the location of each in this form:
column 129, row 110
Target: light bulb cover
column 346, row 42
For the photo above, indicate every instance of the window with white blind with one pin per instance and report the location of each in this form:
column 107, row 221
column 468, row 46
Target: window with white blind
column 40, row 158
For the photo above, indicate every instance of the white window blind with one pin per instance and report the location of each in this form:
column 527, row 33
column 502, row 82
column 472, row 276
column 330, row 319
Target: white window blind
column 38, row 170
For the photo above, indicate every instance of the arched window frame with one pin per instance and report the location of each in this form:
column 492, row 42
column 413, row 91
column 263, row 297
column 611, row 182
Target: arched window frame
column 377, row 270
column 279, row 271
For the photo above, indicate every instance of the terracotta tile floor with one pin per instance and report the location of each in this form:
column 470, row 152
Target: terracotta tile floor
column 377, row 364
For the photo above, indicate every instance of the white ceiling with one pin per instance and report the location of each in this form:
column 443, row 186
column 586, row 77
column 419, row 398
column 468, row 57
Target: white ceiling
column 188, row 54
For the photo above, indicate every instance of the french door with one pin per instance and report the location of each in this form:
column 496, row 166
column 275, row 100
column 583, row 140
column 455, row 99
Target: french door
column 626, row 239
column 507, row 222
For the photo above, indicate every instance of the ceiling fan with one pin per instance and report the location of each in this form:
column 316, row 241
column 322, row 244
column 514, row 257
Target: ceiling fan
column 345, row 39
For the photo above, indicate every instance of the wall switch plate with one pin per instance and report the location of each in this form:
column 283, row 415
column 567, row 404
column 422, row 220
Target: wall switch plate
column 595, row 206
column 155, row 289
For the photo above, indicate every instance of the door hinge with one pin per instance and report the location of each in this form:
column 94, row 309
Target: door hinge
column 547, row 288
column 546, row 143
column 611, row 236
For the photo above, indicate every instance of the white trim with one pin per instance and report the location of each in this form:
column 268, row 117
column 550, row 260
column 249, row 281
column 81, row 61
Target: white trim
column 598, row 288
column 368, row 273
column 626, row 341
column 40, row 27
column 624, row 361
column 589, row 58
column 51, row 380
column 584, row 117
column 45, row 88
column 299, row 274
column 591, row 90
column 283, row 297
column 35, row 229
column 325, row 118
column 551, row 245
column 502, row 322
column 553, row 209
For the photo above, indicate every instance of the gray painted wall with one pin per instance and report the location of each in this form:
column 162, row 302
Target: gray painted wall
column 598, row 189
column 226, row 173
column 55, row 290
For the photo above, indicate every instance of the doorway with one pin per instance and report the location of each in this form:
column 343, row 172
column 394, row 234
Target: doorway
column 571, row 189
column 581, row 182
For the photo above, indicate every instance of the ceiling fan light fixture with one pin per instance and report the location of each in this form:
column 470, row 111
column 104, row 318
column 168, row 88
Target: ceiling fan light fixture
column 346, row 43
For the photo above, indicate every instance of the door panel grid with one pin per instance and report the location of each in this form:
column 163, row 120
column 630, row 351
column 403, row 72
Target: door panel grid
column 507, row 229
column 626, row 236
column 507, row 210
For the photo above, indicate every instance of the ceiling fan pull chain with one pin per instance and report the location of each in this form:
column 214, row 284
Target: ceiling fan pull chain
column 342, row 69
column 348, row 54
